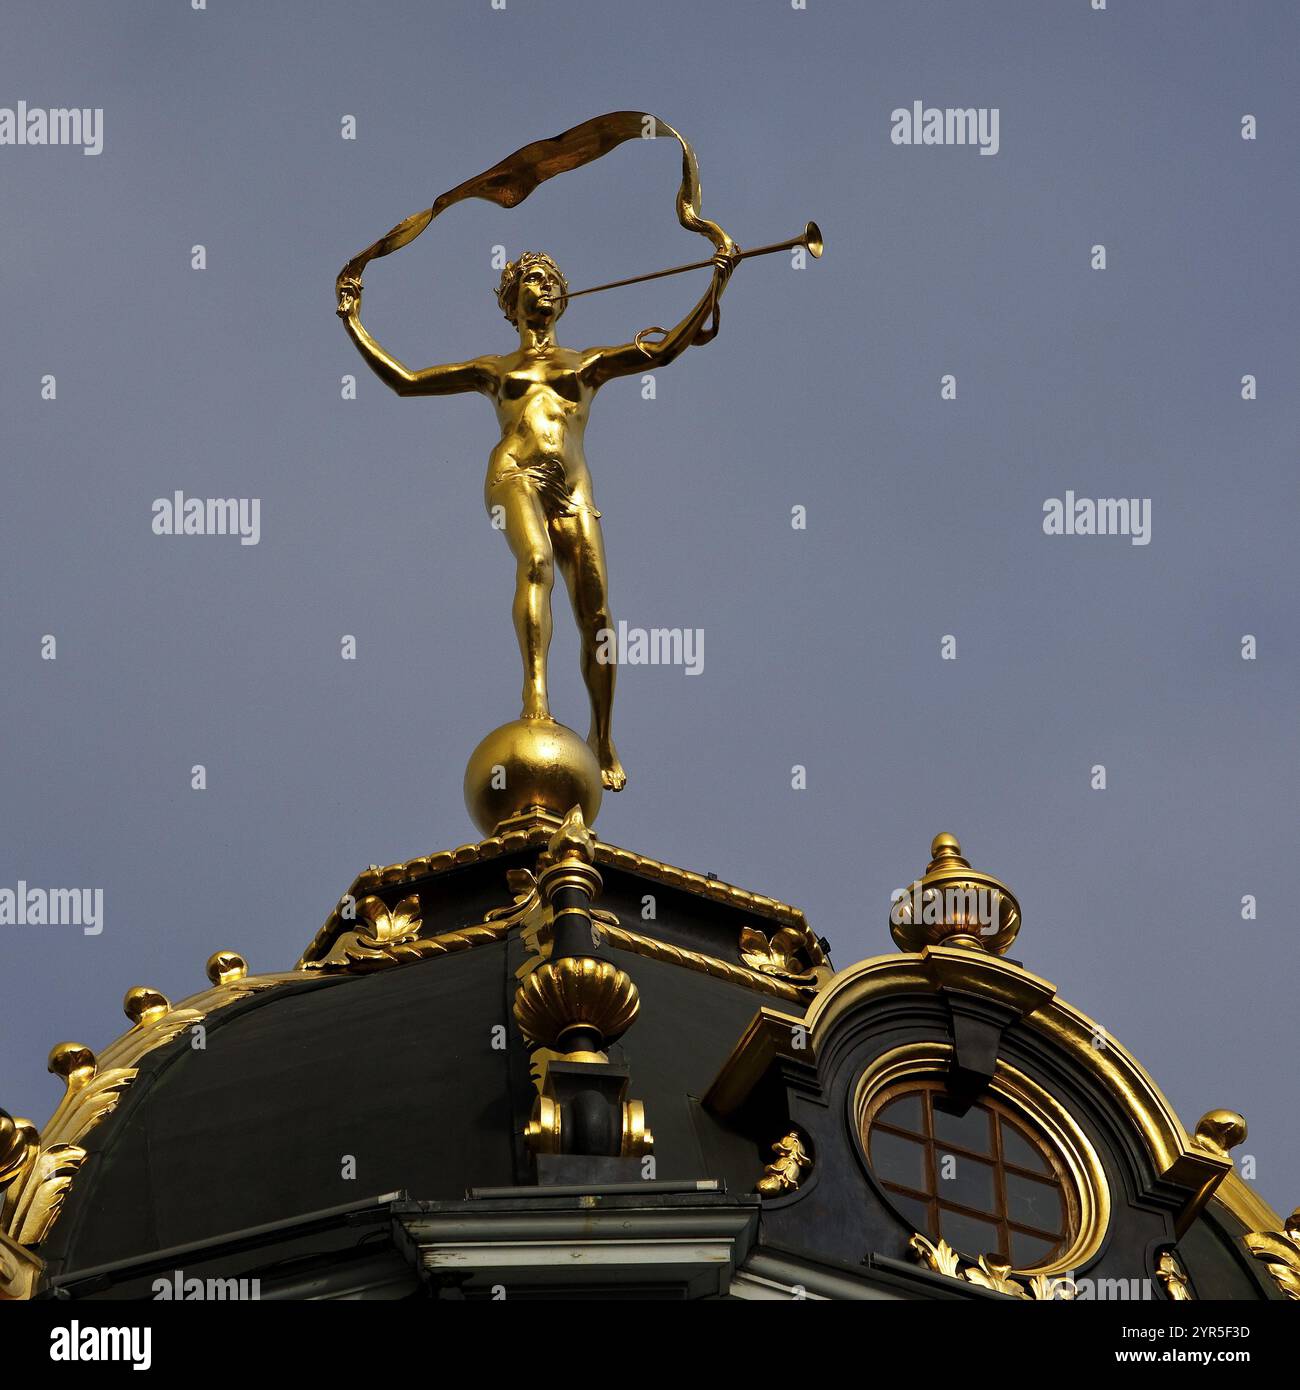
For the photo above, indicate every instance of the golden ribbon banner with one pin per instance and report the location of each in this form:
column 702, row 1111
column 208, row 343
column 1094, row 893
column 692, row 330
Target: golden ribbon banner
column 508, row 183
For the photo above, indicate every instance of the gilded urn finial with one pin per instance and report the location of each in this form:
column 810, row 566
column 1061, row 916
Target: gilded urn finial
column 954, row 905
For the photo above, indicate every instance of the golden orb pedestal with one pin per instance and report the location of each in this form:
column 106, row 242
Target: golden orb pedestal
column 531, row 765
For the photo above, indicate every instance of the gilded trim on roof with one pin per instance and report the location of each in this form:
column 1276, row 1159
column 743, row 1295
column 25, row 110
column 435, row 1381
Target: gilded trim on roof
column 535, row 836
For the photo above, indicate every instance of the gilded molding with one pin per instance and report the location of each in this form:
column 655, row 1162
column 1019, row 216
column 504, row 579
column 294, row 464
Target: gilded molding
column 1279, row 1251
column 785, row 1172
column 93, row 1085
column 769, row 1035
column 535, row 833
column 1235, row 1196
column 696, row 960
column 391, row 936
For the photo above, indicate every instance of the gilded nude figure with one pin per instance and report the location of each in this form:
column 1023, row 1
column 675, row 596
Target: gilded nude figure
column 537, row 474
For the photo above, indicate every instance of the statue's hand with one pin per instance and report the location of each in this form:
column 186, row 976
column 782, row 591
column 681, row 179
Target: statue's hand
column 349, row 293
column 724, row 263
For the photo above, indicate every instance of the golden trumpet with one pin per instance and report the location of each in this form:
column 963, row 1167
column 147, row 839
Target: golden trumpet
column 811, row 237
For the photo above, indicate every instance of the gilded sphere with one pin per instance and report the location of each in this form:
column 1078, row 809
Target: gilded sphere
column 531, row 764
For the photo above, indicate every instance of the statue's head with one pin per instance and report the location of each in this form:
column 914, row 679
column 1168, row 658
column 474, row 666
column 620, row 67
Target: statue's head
column 533, row 290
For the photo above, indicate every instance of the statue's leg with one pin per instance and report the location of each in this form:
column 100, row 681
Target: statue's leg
column 580, row 550
column 530, row 543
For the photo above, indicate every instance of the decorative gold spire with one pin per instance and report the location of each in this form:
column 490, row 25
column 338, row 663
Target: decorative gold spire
column 955, row 905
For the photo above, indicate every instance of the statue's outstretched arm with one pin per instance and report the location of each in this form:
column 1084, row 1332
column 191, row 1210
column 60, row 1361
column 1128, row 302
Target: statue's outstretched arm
column 432, row 381
column 603, row 364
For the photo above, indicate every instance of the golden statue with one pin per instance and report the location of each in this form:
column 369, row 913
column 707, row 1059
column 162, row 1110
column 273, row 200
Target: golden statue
column 538, row 488
column 538, row 482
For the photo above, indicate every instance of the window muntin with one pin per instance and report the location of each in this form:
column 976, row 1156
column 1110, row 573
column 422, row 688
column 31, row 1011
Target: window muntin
column 1006, row 1194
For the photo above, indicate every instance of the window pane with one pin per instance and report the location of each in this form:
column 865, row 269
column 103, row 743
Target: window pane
column 1028, row 1251
column 966, row 1181
column 913, row 1210
column 1018, row 1150
column 898, row 1160
column 1031, row 1203
column 964, row 1233
column 970, row 1130
column 905, row 1113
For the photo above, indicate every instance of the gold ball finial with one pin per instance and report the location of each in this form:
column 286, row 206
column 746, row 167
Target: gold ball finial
column 945, row 847
column 74, row 1062
column 531, row 765
column 1220, row 1130
column 143, row 1005
column 224, row 967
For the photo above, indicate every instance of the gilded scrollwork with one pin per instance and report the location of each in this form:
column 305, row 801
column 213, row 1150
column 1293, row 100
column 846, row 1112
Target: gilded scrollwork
column 990, row 1272
column 1279, row 1251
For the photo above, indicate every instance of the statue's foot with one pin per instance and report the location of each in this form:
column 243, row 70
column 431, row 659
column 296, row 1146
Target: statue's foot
column 536, row 709
column 612, row 776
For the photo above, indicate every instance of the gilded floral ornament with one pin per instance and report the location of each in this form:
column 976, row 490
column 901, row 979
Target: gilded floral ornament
column 990, row 1272
column 993, row 1274
column 940, row 1256
column 778, row 956
column 380, row 929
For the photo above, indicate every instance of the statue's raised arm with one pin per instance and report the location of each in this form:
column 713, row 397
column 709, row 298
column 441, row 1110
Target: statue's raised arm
column 644, row 354
column 477, row 375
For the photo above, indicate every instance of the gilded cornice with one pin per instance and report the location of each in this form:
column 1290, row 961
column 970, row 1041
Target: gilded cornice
column 535, row 836
column 655, row 949
column 1236, row 1196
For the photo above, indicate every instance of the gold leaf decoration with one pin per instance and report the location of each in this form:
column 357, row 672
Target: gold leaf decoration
column 778, row 957
column 940, row 1257
column 1280, row 1253
column 785, row 1172
column 993, row 1274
